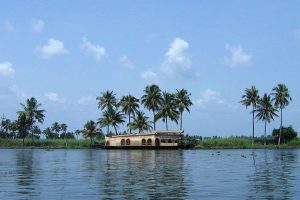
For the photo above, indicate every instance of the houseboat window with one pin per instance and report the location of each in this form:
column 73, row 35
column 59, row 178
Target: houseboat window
column 149, row 141
column 123, row 142
column 107, row 143
column 163, row 141
column 127, row 142
column 143, row 141
column 169, row 141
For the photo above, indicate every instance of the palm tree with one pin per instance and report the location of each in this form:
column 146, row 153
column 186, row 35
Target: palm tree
column 63, row 128
column 281, row 98
column 48, row 133
column 265, row 111
column 129, row 105
column 183, row 102
column 141, row 123
column 251, row 97
column 105, row 120
column 56, row 128
column 77, row 133
column 107, row 100
column 151, row 100
column 33, row 112
column 22, row 125
column 90, row 130
column 116, row 118
column 167, row 109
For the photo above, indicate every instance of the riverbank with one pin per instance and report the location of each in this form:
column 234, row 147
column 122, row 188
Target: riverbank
column 218, row 143
column 50, row 143
column 242, row 143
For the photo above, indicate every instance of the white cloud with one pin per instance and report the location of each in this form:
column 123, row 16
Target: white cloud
column 149, row 76
column 96, row 51
column 52, row 96
column 8, row 26
column 6, row 69
column 209, row 96
column 52, row 48
column 238, row 57
column 38, row 25
column 126, row 62
column 87, row 100
column 176, row 59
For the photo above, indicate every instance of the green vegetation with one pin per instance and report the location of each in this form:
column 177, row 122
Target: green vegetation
column 50, row 143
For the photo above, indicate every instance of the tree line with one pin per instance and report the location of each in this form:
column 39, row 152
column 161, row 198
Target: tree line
column 164, row 105
column 265, row 108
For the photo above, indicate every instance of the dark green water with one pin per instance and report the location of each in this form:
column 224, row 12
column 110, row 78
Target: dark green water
column 150, row 174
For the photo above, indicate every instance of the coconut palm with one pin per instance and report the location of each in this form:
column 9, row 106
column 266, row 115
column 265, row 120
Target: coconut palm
column 107, row 100
column 117, row 118
column 251, row 98
column 33, row 113
column 129, row 105
column 22, row 125
column 151, row 100
column 282, row 99
column 140, row 122
column 63, row 128
column 265, row 111
column 56, row 128
column 90, row 130
column 183, row 102
column 105, row 120
column 168, row 109
column 77, row 133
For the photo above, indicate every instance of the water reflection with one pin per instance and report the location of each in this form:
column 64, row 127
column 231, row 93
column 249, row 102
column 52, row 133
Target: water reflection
column 272, row 174
column 26, row 176
column 140, row 174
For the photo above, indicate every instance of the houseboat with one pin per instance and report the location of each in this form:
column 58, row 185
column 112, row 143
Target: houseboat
column 155, row 140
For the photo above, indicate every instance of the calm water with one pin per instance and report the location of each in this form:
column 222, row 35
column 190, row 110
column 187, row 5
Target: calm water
column 176, row 174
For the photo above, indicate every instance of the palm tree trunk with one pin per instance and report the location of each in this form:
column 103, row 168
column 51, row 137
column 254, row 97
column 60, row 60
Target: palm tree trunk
column 129, row 123
column 181, row 120
column 116, row 130
column 280, row 126
column 253, row 126
column 23, row 140
column 167, row 123
column 265, row 133
column 154, row 120
column 107, row 129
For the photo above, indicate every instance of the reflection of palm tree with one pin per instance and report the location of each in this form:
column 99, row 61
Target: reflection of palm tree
column 141, row 123
column 183, row 102
column 168, row 109
column 129, row 105
column 281, row 98
column 265, row 111
column 33, row 112
column 151, row 100
column 251, row 98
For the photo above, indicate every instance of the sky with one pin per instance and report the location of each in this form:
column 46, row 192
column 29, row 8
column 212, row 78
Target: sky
column 65, row 53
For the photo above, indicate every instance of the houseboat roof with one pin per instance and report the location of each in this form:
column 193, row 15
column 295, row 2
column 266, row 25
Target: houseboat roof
column 157, row 132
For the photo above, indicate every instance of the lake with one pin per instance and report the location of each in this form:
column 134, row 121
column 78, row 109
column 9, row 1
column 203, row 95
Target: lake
column 149, row 174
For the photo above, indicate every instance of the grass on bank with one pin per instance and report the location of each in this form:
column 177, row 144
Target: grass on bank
column 49, row 143
column 232, row 143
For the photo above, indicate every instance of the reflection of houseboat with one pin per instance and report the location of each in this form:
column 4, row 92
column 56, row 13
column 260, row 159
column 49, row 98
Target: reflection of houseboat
column 153, row 140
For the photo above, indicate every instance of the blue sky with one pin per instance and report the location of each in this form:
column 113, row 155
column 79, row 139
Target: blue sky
column 66, row 53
